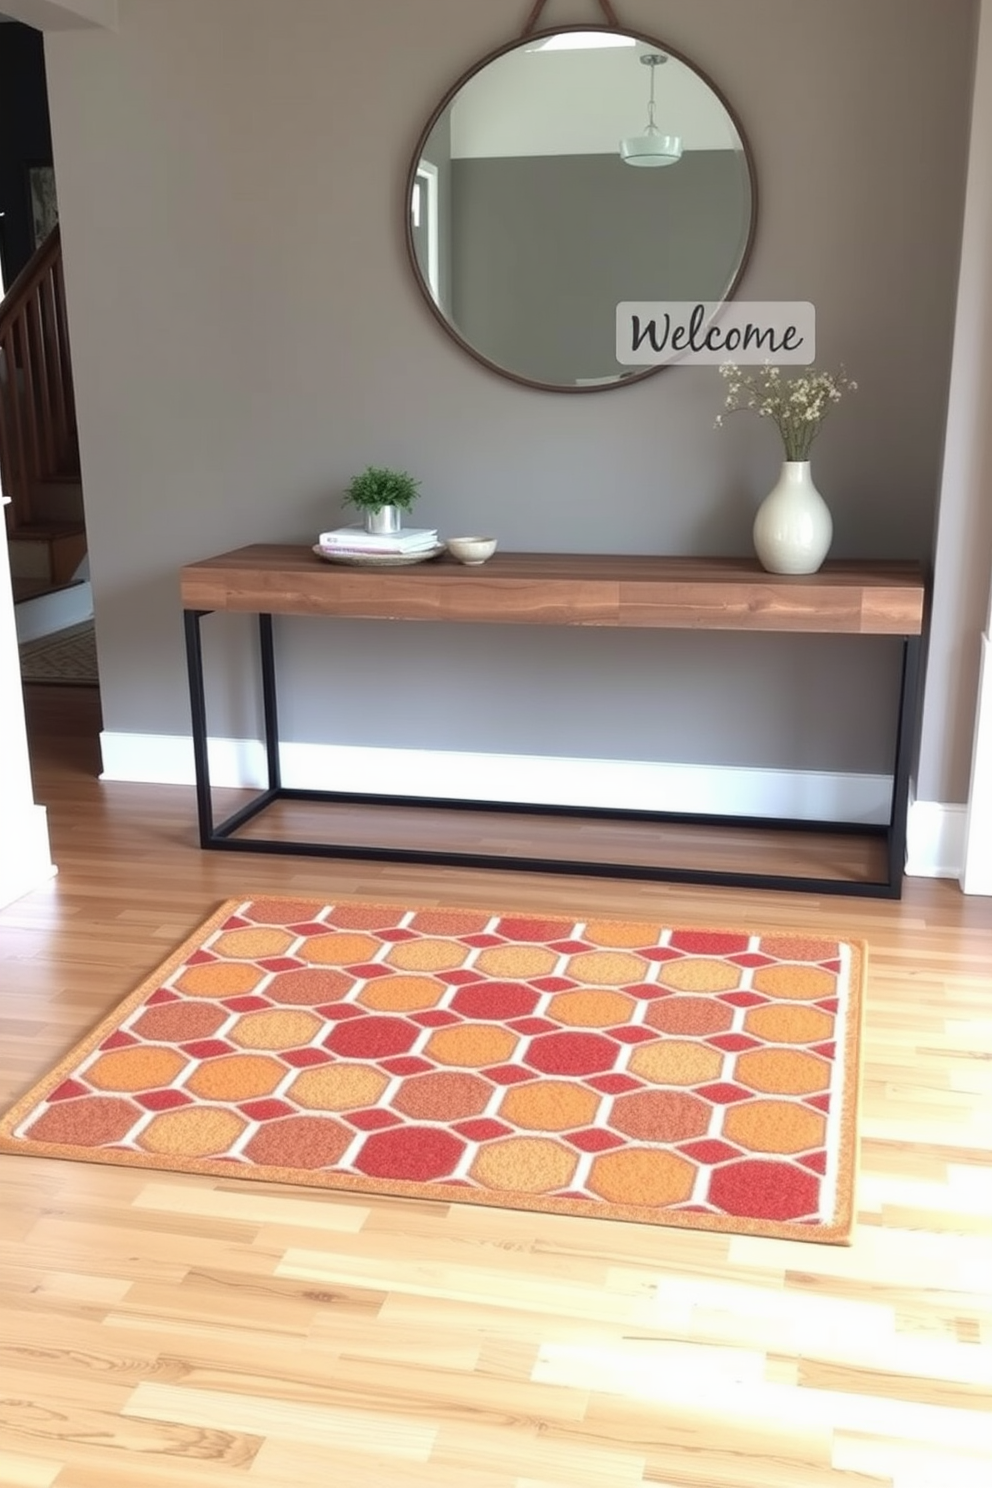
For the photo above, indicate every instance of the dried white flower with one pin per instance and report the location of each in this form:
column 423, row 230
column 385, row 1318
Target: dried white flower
column 797, row 406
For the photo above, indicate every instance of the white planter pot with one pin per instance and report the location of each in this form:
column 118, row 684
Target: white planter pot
column 793, row 529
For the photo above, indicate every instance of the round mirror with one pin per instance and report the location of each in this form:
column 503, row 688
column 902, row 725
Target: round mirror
column 563, row 174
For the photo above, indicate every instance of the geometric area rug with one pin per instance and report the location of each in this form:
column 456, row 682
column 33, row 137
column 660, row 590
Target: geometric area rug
column 67, row 657
column 706, row 1079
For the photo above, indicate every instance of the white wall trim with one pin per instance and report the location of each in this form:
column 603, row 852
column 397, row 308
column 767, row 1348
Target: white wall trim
column 167, row 759
column 25, row 854
column 976, row 876
column 935, row 840
column 30, row 865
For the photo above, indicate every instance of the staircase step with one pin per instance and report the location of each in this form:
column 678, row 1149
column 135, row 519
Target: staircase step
column 59, row 500
column 53, row 611
column 46, row 529
column 51, row 552
column 28, row 588
column 25, row 589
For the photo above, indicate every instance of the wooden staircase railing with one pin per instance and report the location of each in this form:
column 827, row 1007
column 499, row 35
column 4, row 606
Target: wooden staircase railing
column 38, row 439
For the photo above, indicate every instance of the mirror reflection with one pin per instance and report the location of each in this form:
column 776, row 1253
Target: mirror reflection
column 565, row 174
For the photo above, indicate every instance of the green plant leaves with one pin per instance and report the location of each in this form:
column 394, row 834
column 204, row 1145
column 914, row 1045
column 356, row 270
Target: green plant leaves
column 378, row 486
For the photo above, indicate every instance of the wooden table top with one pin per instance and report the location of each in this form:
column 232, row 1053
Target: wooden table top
column 621, row 590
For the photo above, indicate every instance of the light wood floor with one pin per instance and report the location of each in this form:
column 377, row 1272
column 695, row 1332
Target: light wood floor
column 162, row 1330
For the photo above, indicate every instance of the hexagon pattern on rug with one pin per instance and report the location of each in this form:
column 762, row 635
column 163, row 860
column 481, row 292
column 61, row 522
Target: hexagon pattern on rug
column 546, row 1062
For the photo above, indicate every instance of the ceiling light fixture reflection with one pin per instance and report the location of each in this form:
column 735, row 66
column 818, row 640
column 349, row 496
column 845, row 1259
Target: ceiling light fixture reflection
column 652, row 148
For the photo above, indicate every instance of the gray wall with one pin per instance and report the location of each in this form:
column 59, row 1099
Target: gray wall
column 545, row 247
column 247, row 335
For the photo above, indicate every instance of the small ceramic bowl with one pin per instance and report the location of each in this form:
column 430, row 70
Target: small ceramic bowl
column 471, row 549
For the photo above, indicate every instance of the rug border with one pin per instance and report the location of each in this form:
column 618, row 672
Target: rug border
column 839, row 1232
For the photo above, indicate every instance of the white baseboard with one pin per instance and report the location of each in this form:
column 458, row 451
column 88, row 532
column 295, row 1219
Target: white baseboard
column 723, row 790
column 25, row 857
column 976, row 873
column 48, row 613
column 935, row 840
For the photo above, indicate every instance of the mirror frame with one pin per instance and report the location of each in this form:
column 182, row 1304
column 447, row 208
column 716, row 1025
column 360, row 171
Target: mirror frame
column 449, row 97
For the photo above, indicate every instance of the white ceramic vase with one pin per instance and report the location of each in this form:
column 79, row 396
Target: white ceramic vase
column 793, row 529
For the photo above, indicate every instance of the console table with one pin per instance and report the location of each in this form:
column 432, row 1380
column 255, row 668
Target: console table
column 857, row 599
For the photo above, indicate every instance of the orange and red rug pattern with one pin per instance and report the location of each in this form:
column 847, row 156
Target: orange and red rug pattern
column 692, row 1077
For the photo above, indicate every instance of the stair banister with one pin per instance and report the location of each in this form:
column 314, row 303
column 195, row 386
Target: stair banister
column 38, row 439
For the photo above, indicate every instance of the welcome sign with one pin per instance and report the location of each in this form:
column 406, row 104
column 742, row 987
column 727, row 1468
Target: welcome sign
column 652, row 333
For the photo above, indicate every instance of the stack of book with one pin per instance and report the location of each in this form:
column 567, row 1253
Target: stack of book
column 343, row 541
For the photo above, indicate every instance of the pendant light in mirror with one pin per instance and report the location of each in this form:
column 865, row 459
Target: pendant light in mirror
column 652, row 148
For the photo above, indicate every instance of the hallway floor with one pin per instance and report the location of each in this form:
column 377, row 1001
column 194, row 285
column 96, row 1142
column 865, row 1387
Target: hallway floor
column 160, row 1329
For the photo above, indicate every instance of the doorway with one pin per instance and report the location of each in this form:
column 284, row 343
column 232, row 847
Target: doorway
column 39, row 448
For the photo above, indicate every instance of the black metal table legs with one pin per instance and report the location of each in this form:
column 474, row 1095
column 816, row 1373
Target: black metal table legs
column 222, row 835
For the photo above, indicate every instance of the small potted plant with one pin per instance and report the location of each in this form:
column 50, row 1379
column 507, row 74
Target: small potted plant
column 382, row 495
